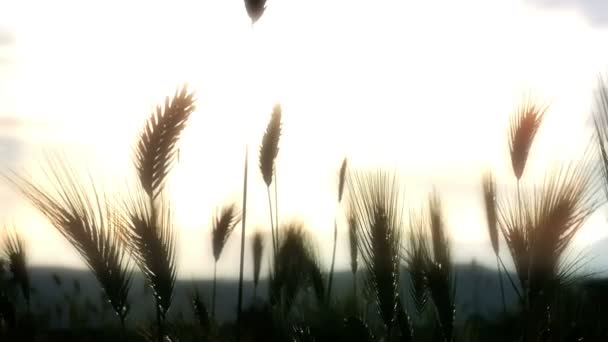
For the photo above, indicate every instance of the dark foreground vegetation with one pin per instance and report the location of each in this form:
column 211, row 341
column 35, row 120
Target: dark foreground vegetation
column 402, row 285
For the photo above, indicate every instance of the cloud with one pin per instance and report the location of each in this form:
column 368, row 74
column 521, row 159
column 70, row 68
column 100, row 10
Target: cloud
column 596, row 11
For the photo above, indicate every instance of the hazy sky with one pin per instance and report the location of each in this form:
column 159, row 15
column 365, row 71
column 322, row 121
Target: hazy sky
column 424, row 87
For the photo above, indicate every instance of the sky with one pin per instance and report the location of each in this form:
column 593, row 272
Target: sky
column 422, row 87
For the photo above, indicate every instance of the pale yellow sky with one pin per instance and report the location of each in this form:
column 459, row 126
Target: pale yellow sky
column 422, row 86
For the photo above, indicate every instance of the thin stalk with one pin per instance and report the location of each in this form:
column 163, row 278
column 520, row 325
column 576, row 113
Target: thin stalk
column 213, row 291
column 510, row 279
column 526, row 286
column 159, row 323
column 159, row 319
column 502, row 288
column 333, row 261
column 244, row 217
column 276, row 202
column 274, row 238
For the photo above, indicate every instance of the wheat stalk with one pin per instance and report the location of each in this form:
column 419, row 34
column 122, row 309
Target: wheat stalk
column 15, row 253
column 296, row 268
column 341, row 180
column 255, row 9
column 268, row 154
column 257, row 247
column 147, row 226
column 440, row 273
column 87, row 219
column 242, row 259
column 417, row 257
column 156, row 149
column 523, row 126
column 148, row 231
column 376, row 198
column 539, row 231
column 489, row 196
column 224, row 223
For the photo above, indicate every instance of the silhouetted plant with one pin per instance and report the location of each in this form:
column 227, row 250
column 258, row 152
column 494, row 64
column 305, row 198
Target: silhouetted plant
column 239, row 307
column 255, row 9
column 417, row 257
column 156, row 149
column 148, row 227
column 86, row 218
column 353, row 241
column 15, row 253
column 489, row 196
column 295, row 268
column 150, row 235
column 200, row 312
column 376, row 197
column 539, row 231
column 268, row 154
column 523, row 127
column 439, row 276
column 341, row 181
column 223, row 224
column 257, row 247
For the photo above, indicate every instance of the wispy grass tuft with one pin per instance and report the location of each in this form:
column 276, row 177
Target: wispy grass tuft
column 539, row 231
column 376, row 198
column 147, row 222
column 490, row 205
column 257, row 247
column 523, row 127
column 224, row 223
column 489, row 196
column 255, row 9
column 15, row 253
column 268, row 154
column 341, row 180
column 440, row 282
column 150, row 235
column 295, row 268
column 87, row 219
column 156, row 149
column 417, row 257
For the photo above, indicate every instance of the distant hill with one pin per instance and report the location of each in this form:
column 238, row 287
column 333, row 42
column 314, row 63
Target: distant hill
column 77, row 294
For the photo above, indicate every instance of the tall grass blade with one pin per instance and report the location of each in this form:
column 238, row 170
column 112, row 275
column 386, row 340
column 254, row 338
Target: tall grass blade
column 242, row 261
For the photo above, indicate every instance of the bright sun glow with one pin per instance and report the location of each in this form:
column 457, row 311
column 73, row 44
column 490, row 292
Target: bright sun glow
column 422, row 86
